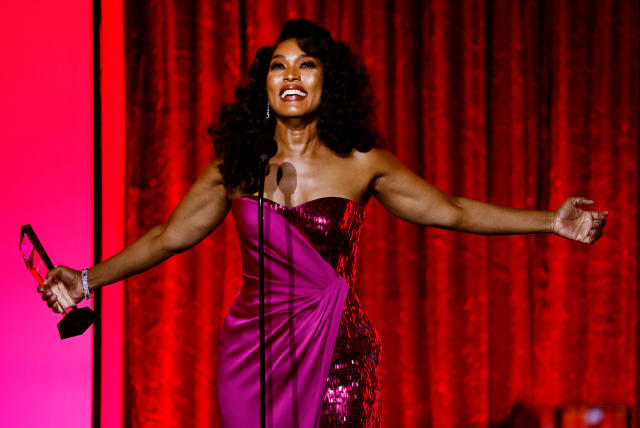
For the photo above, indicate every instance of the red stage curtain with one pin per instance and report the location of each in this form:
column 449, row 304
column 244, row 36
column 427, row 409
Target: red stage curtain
column 518, row 103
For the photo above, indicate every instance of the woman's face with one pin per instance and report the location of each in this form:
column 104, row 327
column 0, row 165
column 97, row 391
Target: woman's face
column 294, row 81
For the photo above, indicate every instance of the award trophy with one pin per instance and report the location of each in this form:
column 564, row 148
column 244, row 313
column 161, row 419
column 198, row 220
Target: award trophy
column 77, row 320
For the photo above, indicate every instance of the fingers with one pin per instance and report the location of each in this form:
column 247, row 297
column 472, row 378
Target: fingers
column 62, row 294
column 58, row 308
column 580, row 200
column 591, row 236
column 53, row 302
column 53, row 275
column 594, row 236
column 598, row 221
column 53, row 291
column 595, row 220
column 64, row 284
column 57, row 297
column 599, row 215
column 50, row 298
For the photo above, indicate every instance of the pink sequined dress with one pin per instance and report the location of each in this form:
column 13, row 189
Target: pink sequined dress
column 323, row 353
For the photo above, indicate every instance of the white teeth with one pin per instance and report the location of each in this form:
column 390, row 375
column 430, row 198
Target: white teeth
column 293, row 92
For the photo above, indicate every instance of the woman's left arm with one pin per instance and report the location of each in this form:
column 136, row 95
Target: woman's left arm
column 413, row 199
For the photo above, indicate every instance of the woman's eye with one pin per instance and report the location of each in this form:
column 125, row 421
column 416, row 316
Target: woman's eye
column 308, row 64
column 276, row 65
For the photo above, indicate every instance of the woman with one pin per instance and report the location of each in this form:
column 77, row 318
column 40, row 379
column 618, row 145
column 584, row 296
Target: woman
column 323, row 353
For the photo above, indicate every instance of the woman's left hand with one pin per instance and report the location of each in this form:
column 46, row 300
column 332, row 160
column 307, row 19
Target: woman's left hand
column 574, row 223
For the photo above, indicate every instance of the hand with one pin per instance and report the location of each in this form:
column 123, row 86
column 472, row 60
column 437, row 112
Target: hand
column 571, row 222
column 62, row 288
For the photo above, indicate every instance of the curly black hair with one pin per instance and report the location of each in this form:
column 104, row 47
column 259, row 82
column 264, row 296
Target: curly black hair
column 345, row 115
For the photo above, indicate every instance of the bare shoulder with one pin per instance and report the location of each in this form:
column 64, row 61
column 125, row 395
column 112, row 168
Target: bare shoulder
column 212, row 170
column 362, row 170
column 211, row 175
column 377, row 162
column 376, row 158
column 210, row 184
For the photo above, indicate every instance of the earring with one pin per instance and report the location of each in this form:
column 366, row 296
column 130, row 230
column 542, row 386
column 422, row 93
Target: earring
column 268, row 115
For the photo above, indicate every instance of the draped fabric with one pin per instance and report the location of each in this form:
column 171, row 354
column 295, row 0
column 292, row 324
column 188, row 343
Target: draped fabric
column 517, row 103
column 304, row 298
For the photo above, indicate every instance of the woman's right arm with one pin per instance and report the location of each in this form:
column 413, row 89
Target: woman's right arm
column 200, row 211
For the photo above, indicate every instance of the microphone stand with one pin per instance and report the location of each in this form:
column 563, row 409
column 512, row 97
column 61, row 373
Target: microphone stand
column 264, row 159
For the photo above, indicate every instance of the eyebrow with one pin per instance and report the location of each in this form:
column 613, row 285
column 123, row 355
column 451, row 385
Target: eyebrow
column 298, row 57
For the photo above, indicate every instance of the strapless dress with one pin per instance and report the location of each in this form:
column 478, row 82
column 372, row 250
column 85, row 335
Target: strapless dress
column 322, row 351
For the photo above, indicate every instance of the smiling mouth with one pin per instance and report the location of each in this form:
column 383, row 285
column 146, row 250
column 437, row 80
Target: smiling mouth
column 292, row 95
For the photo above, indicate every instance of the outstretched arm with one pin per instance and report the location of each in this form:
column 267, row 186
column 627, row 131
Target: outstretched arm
column 195, row 217
column 411, row 198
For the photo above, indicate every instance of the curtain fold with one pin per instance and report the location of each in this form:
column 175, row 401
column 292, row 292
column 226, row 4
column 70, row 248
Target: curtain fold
column 516, row 103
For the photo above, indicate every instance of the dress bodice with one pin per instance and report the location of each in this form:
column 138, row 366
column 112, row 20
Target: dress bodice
column 323, row 352
column 332, row 226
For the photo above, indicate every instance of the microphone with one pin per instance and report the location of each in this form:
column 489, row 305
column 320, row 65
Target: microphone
column 266, row 148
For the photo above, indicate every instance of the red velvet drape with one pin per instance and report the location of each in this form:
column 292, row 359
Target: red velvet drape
column 518, row 103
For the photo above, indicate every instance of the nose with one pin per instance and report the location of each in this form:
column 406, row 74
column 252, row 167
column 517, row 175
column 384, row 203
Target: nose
column 291, row 74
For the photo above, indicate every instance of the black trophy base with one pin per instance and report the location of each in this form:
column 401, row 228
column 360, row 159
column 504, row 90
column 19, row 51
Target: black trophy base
column 76, row 322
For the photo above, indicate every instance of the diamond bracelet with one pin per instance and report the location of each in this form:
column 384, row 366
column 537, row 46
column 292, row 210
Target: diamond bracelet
column 85, row 284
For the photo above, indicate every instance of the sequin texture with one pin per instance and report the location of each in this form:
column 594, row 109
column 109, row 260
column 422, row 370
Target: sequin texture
column 353, row 392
